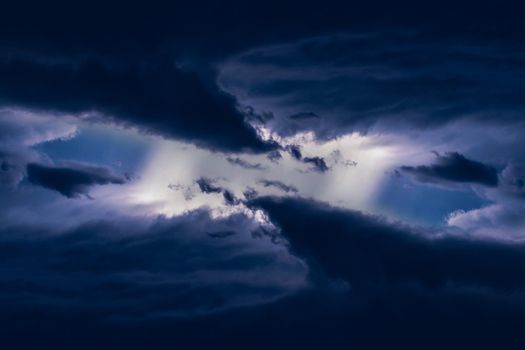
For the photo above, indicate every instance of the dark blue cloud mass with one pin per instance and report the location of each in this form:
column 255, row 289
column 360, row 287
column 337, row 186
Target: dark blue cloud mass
column 360, row 80
column 155, row 66
column 454, row 168
column 214, row 104
column 372, row 284
column 73, row 179
column 157, row 98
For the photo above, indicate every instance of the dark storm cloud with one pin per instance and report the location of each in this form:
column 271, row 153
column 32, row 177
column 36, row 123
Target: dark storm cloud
column 113, row 67
column 375, row 284
column 158, row 98
column 454, row 168
column 400, row 79
column 245, row 164
column 131, row 269
column 373, row 254
column 399, row 285
column 279, row 185
column 72, row 180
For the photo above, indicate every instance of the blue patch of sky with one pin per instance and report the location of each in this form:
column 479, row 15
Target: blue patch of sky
column 122, row 150
column 424, row 204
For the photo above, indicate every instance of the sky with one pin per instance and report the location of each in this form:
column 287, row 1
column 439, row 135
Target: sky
column 265, row 175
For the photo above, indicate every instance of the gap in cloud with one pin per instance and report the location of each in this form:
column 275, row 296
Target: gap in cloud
column 123, row 149
column 355, row 167
column 401, row 198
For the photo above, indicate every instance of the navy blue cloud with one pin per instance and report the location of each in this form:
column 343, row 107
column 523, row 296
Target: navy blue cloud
column 113, row 67
column 374, row 284
column 400, row 79
column 155, row 97
column 71, row 180
column 373, row 254
column 454, row 168
column 132, row 269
